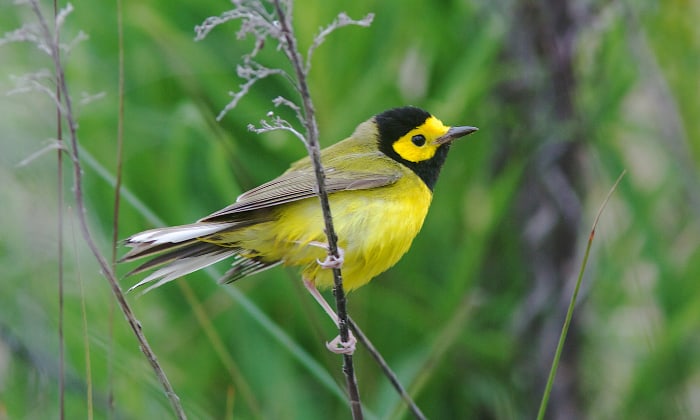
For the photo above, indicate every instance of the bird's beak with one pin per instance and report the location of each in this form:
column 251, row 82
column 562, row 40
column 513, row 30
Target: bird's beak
column 454, row 133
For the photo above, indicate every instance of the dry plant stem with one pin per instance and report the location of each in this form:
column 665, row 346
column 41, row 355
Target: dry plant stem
column 59, row 188
column 68, row 115
column 120, row 135
column 117, row 197
column 312, row 145
column 361, row 337
column 61, row 355
column 572, row 303
column 59, row 192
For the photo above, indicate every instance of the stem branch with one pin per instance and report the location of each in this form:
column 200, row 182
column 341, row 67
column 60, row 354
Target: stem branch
column 314, row 150
column 67, row 114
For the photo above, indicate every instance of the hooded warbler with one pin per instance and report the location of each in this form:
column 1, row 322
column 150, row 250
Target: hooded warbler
column 379, row 180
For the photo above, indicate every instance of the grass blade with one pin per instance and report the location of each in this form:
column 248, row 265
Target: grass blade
column 572, row 303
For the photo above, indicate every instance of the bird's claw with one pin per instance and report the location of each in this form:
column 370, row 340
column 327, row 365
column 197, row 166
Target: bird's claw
column 338, row 346
column 331, row 261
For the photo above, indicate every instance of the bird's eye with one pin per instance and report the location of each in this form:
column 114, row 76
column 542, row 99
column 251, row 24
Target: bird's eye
column 418, row 140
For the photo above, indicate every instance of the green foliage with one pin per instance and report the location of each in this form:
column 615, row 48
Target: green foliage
column 448, row 317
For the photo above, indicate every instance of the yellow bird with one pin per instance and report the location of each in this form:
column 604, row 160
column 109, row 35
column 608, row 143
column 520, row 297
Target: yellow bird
column 379, row 180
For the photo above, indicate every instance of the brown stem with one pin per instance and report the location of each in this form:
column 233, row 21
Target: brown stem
column 314, row 151
column 82, row 217
column 59, row 192
column 117, row 194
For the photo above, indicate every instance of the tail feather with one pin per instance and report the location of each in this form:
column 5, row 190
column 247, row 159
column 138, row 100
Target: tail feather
column 184, row 265
column 187, row 250
column 154, row 241
column 178, row 233
column 181, row 252
column 244, row 267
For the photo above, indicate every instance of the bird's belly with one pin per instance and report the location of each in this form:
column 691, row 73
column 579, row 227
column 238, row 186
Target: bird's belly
column 374, row 227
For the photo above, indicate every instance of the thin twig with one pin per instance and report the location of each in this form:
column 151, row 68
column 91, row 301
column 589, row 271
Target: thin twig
column 252, row 76
column 81, row 209
column 341, row 20
column 59, row 192
column 117, row 199
column 277, row 123
column 572, row 303
column 314, row 150
column 34, row 82
column 120, row 135
column 53, row 144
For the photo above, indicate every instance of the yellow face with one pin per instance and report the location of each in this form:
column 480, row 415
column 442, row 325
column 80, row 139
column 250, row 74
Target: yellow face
column 421, row 143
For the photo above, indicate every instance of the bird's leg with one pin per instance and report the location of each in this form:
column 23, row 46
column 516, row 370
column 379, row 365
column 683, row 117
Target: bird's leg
column 336, row 345
column 331, row 261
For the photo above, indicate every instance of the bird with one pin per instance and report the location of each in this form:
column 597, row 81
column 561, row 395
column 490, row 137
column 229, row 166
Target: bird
column 380, row 183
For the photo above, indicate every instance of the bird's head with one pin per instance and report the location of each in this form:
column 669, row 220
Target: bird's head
column 417, row 139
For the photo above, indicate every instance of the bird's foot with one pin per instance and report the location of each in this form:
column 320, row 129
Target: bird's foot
column 338, row 346
column 331, row 261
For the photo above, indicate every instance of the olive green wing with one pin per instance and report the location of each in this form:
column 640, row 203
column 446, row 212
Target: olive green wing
column 357, row 171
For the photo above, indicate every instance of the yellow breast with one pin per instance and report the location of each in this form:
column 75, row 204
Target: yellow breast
column 375, row 228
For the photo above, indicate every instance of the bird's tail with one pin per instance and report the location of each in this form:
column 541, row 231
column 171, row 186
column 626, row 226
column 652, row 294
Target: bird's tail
column 178, row 251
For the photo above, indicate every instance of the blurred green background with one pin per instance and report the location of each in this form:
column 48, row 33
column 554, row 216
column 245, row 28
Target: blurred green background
column 567, row 94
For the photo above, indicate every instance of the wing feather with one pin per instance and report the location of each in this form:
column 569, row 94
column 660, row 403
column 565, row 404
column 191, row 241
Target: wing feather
column 300, row 182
